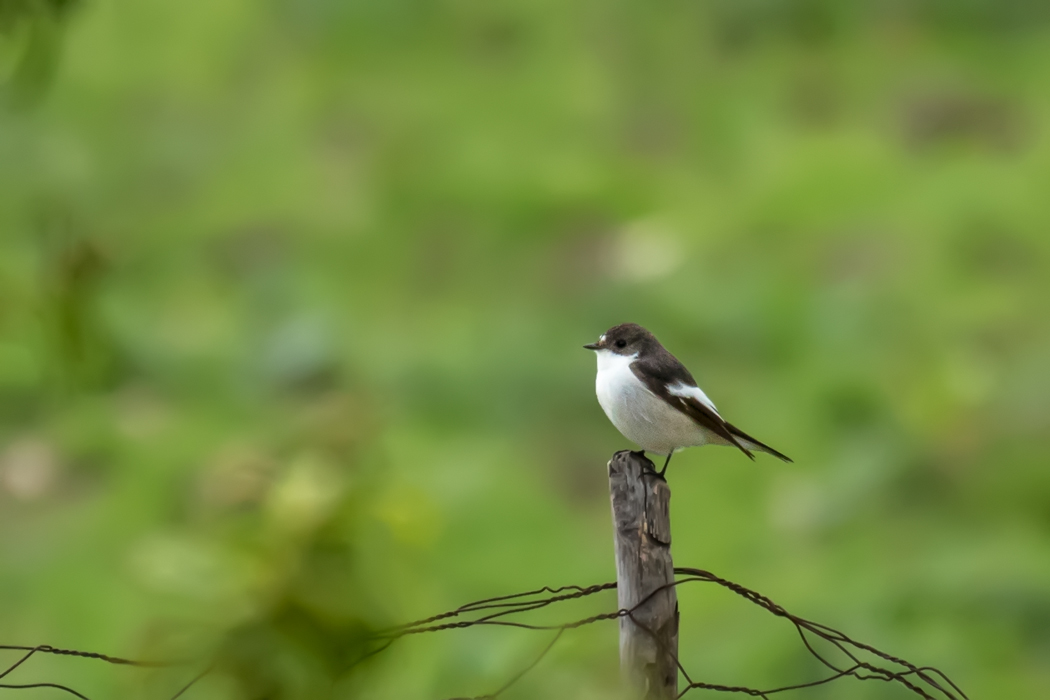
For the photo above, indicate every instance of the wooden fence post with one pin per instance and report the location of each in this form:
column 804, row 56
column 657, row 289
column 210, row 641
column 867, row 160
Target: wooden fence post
column 642, row 526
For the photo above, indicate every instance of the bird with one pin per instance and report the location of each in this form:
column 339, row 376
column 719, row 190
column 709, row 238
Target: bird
column 653, row 400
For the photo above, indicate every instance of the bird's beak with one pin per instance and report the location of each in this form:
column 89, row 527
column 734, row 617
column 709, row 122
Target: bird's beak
column 592, row 346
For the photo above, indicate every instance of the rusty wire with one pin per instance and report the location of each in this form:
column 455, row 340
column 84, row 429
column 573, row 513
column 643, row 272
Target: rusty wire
column 923, row 681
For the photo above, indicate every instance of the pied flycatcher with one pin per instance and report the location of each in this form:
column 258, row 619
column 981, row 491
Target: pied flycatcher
column 653, row 400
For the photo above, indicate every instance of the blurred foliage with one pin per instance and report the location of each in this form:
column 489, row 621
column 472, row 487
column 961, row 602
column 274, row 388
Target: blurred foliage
column 30, row 42
column 292, row 296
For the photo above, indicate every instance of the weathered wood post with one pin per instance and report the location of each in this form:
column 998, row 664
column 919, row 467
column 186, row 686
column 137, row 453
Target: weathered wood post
column 642, row 525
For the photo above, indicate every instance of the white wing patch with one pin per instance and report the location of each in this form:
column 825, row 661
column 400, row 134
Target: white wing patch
column 694, row 392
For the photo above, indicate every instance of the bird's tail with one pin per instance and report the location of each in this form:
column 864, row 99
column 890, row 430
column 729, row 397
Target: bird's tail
column 753, row 444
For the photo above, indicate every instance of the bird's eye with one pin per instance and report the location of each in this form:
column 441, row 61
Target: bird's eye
column 621, row 343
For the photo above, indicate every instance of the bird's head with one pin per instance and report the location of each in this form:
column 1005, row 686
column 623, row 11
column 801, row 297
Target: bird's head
column 624, row 339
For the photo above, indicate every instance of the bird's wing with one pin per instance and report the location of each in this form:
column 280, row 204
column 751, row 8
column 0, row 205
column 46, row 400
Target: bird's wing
column 676, row 386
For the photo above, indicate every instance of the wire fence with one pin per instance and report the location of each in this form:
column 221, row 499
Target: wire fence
column 843, row 657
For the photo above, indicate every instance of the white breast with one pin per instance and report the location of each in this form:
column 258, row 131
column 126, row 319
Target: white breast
column 640, row 415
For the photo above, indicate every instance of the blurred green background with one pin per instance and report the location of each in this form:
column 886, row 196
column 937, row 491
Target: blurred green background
column 292, row 294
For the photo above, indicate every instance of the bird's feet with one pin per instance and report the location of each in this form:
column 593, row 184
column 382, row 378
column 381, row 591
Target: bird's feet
column 650, row 467
column 662, row 471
